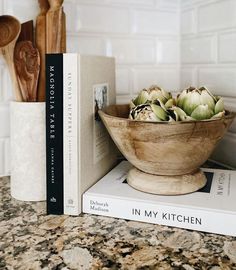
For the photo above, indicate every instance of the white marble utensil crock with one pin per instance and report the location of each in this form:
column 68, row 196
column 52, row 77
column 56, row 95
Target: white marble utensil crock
column 28, row 151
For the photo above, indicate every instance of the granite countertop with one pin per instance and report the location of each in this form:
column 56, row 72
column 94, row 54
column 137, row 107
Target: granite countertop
column 29, row 239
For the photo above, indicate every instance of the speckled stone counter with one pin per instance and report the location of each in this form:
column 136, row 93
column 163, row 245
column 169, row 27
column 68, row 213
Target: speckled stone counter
column 29, row 239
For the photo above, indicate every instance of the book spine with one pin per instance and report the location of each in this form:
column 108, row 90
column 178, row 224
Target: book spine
column 54, row 133
column 187, row 218
column 72, row 201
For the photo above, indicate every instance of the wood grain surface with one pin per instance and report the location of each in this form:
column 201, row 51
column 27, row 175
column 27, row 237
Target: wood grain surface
column 27, row 31
column 27, row 63
column 166, row 184
column 9, row 30
column 40, row 41
column 164, row 148
column 56, row 27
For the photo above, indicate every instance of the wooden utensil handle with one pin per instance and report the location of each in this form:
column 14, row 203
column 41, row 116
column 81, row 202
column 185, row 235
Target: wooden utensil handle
column 27, row 63
column 56, row 27
column 16, row 88
column 10, row 29
column 27, row 31
column 8, row 56
column 40, row 40
column 44, row 6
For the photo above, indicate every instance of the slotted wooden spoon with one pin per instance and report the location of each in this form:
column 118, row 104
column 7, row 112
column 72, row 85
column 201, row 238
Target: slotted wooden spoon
column 9, row 31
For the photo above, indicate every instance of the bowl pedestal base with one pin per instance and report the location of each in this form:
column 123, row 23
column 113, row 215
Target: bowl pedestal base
column 166, row 184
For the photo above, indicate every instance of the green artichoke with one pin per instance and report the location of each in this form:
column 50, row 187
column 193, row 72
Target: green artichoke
column 156, row 104
column 151, row 105
column 148, row 112
column 150, row 95
column 200, row 104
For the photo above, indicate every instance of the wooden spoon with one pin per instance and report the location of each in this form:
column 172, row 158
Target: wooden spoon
column 27, row 31
column 27, row 62
column 9, row 31
column 40, row 40
column 56, row 27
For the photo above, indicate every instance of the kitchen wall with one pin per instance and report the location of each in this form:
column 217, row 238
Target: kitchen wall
column 173, row 43
column 143, row 35
column 208, row 56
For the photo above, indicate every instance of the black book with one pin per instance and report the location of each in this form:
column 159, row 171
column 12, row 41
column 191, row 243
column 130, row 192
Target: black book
column 54, row 133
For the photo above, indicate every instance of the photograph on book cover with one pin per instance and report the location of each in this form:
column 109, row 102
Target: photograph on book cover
column 101, row 142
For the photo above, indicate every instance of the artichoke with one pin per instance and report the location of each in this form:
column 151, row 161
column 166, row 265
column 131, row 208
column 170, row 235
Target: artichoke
column 150, row 95
column 156, row 104
column 177, row 114
column 200, row 104
column 148, row 112
column 151, row 105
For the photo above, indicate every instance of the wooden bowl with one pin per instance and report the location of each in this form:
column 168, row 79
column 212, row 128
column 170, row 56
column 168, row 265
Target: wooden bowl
column 164, row 148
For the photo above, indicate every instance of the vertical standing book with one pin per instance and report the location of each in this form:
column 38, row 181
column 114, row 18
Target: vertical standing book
column 54, row 133
column 88, row 84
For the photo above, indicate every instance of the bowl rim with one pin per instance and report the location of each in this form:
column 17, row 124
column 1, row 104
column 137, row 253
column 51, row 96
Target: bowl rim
column 101, row 112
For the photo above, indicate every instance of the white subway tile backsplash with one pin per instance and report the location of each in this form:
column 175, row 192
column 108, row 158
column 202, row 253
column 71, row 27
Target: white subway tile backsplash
column 1, row 83
column 188, row 76
column 167, row 78
column 198, row 50
column 222, row 81
column 2, row 169
column 139, row 51
column 146, row 3
column 188, row 21
column 123, row 99
column 86, row 45
column 4, row 121
column 192, row 3
column 168, row 51
column 70, row 10
column 102, row 19
column 230, row 104
column 7, row 90
column 227, row 47
column 122, row 81
column 23, row 10
column 155, row 22
column 144, row 36
column 7, row 156
column 168, row 4
column 217, row 15
column 225, row 150
column 213, row 59
column 143, row 3
column 130, row 30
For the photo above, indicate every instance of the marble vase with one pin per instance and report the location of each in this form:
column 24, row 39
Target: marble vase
column 28, row 151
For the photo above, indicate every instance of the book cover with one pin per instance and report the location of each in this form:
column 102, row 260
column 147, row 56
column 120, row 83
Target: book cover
column 54, row 133
column 89, row 153
column 70, row 127
column 211, row 209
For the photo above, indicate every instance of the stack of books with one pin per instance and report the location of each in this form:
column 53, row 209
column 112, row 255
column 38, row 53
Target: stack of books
column 80, row 152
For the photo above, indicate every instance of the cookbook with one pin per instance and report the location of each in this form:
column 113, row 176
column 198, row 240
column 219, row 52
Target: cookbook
column 86, row 151
column 210, row 209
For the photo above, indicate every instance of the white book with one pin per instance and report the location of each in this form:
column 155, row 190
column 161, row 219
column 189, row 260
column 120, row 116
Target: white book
column 89, row 153
column 211, row 209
